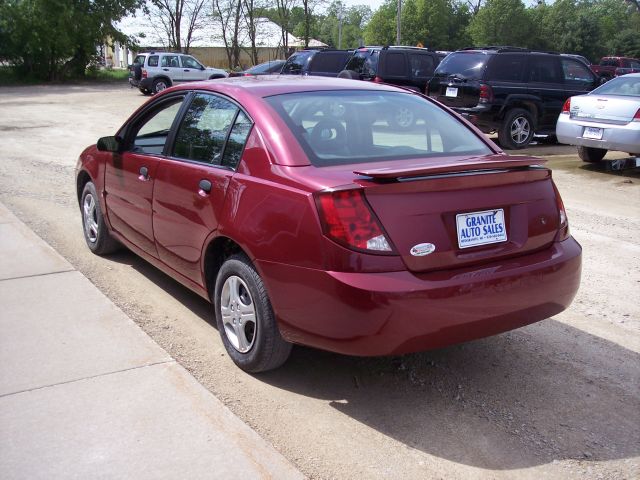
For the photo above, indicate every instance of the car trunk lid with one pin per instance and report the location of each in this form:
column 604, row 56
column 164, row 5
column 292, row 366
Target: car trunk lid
column 614, row 109
column 432, row 212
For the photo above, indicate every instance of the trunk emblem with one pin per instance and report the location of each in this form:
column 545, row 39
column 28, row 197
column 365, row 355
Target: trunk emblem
column 422, row 249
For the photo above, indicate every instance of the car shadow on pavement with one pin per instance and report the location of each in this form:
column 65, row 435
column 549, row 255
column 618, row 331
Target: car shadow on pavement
column 543, row 393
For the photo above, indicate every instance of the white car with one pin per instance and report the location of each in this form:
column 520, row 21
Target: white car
column 152, row 72
column 607, row 118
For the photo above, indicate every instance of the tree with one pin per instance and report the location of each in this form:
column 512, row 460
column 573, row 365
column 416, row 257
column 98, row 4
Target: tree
column 172, row 15
column 502, row 22
column 54, row 39
column 227, row 13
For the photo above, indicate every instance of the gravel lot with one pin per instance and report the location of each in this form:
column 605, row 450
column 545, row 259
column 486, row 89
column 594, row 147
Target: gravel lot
column 558, row 399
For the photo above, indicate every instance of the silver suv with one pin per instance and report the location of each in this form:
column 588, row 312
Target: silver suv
column 152, row 72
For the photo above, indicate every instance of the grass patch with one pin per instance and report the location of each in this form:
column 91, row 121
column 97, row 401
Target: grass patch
column 108, row 75
column 9, row 77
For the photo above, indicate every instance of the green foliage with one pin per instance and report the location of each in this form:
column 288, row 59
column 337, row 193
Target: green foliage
column 55, row 39
column 502, row 22
column 625, row 44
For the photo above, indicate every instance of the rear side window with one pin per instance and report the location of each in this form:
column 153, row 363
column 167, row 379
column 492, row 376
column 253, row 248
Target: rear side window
column 296, row 62
column 544, row 69
column 170, row 61
column 463, row 64
column 139, row 59
column 153, row 61
column 237, row 139
column 328, row 62
column 506, row 68
column 634, row 64
column 204, row 129
column 421, row 65
column 395, row 64
column 349, row 127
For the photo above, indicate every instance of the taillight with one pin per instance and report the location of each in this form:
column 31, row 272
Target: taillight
column 566, row 108
column 563, row 223
column 486, row 94
column 347, row 219
column 377, row 79
column 636, row 117
column 144, row 73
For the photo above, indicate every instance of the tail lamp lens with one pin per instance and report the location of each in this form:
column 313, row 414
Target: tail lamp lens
column 486, row 94
column 347, row 219
column 563, row 223
column 144, row 73
column 636, row 117
column 567, row 106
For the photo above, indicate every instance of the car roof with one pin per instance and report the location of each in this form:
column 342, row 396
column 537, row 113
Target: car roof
column 267, row 85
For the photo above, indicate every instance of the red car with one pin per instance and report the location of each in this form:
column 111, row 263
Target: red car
column 304, row 217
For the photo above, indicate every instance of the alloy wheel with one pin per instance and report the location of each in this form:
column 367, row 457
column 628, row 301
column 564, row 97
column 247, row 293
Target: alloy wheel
column 90, row 217
column 520, row 130
column 238, row 314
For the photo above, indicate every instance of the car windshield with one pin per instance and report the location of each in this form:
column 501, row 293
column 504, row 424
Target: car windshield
column 625, row 85
column 462, row 64
column 347, row 127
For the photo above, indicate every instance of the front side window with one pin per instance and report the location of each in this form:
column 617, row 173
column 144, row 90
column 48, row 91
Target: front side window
column 340, row 127
column 190, row 62
column 150, row 134
column 576, row 73
column 170, row 61
column 203, row 132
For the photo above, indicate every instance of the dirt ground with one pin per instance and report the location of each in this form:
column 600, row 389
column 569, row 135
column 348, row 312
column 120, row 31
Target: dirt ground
column 558, row 399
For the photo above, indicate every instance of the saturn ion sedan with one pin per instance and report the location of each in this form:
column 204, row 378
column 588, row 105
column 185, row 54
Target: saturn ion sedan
column 607, row 118
column 305, row 218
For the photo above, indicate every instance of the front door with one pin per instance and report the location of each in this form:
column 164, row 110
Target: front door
column 190, row 186
column 191, row 69
column 130, row 175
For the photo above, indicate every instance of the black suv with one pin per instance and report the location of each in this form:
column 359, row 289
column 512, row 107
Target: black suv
column 514, row 91
column 323, row 63
column 409, row 67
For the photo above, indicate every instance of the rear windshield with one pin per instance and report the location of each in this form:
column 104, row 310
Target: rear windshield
column 463, row 65
column 624, row 85
column 347, row 127
column 296, row 62
column 266, row 67
column 364, row 62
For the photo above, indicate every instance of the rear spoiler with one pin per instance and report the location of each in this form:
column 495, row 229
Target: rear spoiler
column 446, row 167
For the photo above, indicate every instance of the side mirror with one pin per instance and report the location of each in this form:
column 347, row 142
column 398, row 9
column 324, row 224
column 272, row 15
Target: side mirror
column 109, row 144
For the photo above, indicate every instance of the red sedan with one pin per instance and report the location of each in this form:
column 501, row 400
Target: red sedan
column 305, row 215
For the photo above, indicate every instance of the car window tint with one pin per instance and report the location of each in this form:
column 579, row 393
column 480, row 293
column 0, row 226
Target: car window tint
column 151, row 133
column 396, row 64
column 506, row 68
column 153, row 61
column 421, row 65
column 576, row 73
column 139, row 59
column 364, row 63
column 296, row 62
column 544, row 69
column 634, row 64
column 338, row 127
column 463, row 65
column 203, row 131
column 237, row 139
column 170, row 61
column 189, row 62
column 328, row 62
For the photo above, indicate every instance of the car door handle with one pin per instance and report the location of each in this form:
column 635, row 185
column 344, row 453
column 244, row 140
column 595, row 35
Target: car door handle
column 187, row 70
column 144, row 174
column 204, row 187
column 165, row 69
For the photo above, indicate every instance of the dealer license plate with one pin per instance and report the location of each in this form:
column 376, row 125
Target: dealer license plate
column 592, row 132
column 451, row 92
column 481, row 228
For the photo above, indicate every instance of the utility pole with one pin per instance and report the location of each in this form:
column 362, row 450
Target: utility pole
column 398, row 36
column 340, row 27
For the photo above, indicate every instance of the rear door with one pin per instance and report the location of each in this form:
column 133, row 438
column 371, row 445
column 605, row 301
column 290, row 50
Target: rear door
column 170, row 66
column 546, row 83
column 191, row 185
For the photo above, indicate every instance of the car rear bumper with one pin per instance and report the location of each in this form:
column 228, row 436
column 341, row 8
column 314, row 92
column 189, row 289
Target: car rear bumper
column 392, row 313
column 624, row 138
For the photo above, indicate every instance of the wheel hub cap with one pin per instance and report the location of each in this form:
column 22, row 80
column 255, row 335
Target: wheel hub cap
column 90, row 217
column 238, row 314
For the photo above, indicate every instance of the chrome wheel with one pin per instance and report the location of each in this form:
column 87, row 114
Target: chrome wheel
column 520, row 130
column 160, row 85
column 90, row 217
column 238, row 314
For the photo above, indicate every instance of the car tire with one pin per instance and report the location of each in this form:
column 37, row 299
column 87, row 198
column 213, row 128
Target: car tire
column 245, row 318
column 590, row 154
column 516, row 130
column 160, row 84
column 96, row 232
column 349, row 74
